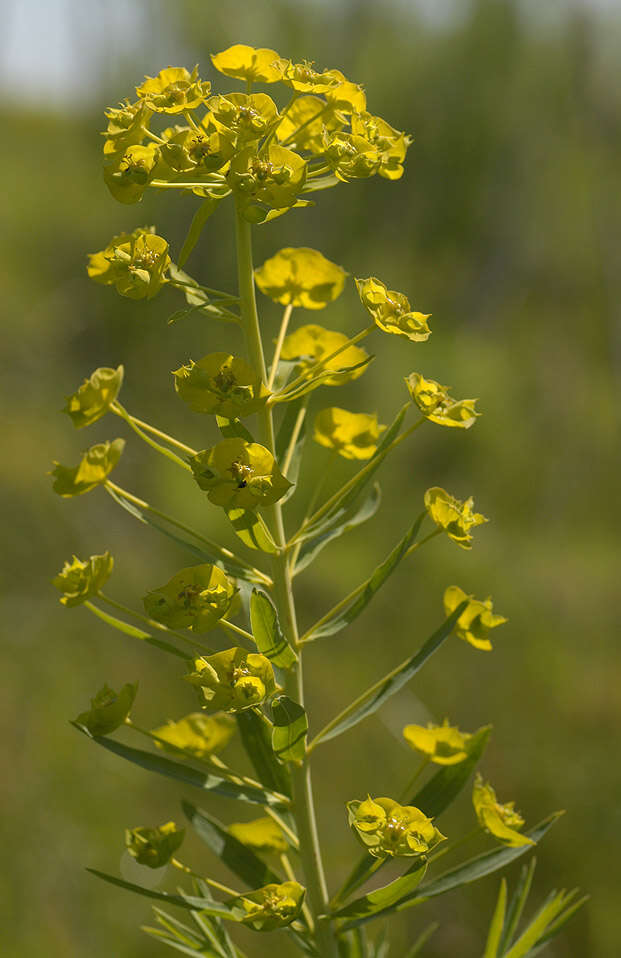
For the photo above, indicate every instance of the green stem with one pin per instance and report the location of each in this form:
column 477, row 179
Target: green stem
column 165, row 185
column 209, row 881
column 321, row 363
column 231, row 627
column 152, row 622
column 216, row 293
column 150, row 442
column 134, row 632
column 303, row 805
column 281, row 338
column 120, row 410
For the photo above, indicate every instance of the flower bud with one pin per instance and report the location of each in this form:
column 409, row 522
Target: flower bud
column 94, row 468
column 475, row 622
column 438, row 406
column 79, row 580
column 154, row 847
column 94, row 397
column 273, row 906
column 391, row 310
column 108, row 710
column 501, row 821
column 453, row 515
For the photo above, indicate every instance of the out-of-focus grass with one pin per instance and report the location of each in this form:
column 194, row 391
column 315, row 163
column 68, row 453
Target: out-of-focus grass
column 503, row 227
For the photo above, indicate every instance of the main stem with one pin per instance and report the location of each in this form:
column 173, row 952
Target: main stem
column 303, row 805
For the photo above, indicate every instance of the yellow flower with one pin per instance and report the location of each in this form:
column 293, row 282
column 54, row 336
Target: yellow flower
column 391, row 310
column 442, row 744
column 273, row 178
column 346, row 96
column 174, row 90
column 438, row 406
column 300, row 277
column 453, row 515
column 94, row 468
column 134, row 263
column 309, row 344
column 239, row 474
column 195, row 598
column 128, row 174
column 126, row 126
column 199, row 734
column 273, row 906
column 388, row 829
column 246, row 117
column 501, row 821
column 233, row 680
column 475, row 622
column 94, row 397
column 197, row 151
column 78, row 580
column 391, row 144
column 241, row 62
column 353, row 435
column 221, row 384
column 351, row 157
column 305, row 79
column 313, row 119
column 154, row 846
column 108, row 710
column 264, row 834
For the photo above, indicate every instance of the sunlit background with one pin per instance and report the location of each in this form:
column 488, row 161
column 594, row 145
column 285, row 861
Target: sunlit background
column 506, row 228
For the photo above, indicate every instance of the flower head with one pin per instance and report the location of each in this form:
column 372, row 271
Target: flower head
column 345, row 96
column 241, row 62
column 501, row 821
column 273, row 906
column 354, row 435
column 391, row 310
column 174, row 90
column 233, row 680
column 239, row 474
column 128, row 174
column 389, row 829
column 154, row 847
column 475, row 622
column 221, row 384
column 126, row 126
column 391, row 144
column 78, row 580
column 94, row 468
column 300, row 277
column 351, row 157
column 94, row 397
column 273, row 178
column 108, row 710
column 195, row 598
column 442, row 744
column 453, row 515
column 438, row 406
column 309, row 344
column 134, row 263
column 263, row 834
column 245, row 116
column 199, row 734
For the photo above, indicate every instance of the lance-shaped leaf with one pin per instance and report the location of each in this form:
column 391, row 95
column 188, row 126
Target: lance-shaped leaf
column 382, row 898
column 267, row 632
column 241, row 860
column 190, row 902
column 290, row 728
column 495, row 929
column 350, row 608
column 233, row 429
column 199, row 219
column 556, row 910
column 256, row 734
column 375, row 696
column 191, row 776
column 251, row 529
column 312, row 547
column 181, row 937
column 197, row 298
column 516, row 905
column 135, row 633
column 290, row 442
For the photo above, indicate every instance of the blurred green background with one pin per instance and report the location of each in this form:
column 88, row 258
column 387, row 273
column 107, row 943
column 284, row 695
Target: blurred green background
column 505, row 227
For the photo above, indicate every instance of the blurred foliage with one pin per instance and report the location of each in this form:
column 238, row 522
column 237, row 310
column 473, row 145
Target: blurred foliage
column 504, row 228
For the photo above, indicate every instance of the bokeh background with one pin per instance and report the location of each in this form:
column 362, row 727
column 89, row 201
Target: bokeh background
column 506, row 228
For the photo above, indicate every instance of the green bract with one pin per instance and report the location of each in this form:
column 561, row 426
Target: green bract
column 195, row 598
column 391, row 310
column 264, row 834
column 94, row 468
column 250, row 64
column 197, row 151
column 237, row 474
column 197, row 733
column 351, row 157
column 128, row 174
column 245, row 117
column 233, row 680
column 501, row 821
column 126, row 126
column 108, row 709
column 453, row 515
column 154, row 847
column 442, row 744
column 390, row 144
column 475, row 622
column 93, row 398
column 354, row 435
column 438, row 406
column 272, row 178
column 79, row 580
column 273, row 906
column 309, row 344
column 307, row 121
column 135, row 263
column 174, row 90
column 386, row 828
column 305, row 79
column 221, row 384
column 300, row 277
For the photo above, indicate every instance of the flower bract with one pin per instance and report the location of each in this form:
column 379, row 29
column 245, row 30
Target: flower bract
column 438, row 406
column 442, row 744
column 263, row 834
column 350, row 156
column 108, row 710
column 93, row 398
column 94, row 468
column 390, row 144
column 154, row 847
column 272, row 178
column 78, row 580
column 221, row 384
column 239, row 474
column 305, row 79
column 307, row 122
column 199, row 734
column 134, row 263
column 126, row 126
column 453, row 515
column 388, row 829
column 391, row 310
column 245, row 116
column 477, row 619
column 273, row 906
column 241, row 62
column 174, row 90
column 195, row 598
column 300, row 277
column 310, row 344
column 501, row 821
column 198, row 151
column 233, row 680
column 127, row 175
column 354, row 435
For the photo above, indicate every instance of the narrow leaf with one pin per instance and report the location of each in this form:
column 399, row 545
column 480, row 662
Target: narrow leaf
column 319, row 379
column 191, row 776
column 199, row 219
column 539, row 925
column 343, row 615
column 290, row 728
column 134, row 632
column 256, row 735
column 556, row 925
column 188, row 901
column 233, row 429
column 382, row 898
column 495, row 929
column 292, row 430
column 251, row 530
column 241, row 860
column 415, row 950
column 312, row 547
column 267, row 632
column 516, row 905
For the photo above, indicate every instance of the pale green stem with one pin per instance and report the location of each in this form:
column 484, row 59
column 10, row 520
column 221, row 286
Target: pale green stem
column 303, row 805
column 292, row 837
column 406, row 794
column 294, row 438
column 225, row 624
column 293, row 558
column 216, row 293
column 321, row 363
column 120, row 410
column 281, row 338
column 151, row 442
column 165, row 185
column 130, row 630
column 417, row 545
column 146, row 619
column 208, row 881
column 192, row 122
column 151, row 135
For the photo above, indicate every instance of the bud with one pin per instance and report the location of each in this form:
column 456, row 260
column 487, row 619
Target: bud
column 79, row 580
column 154, row 847
column 94, row 468
column 391, row 310
column 475, row 622
column 134, row 263
column 108, row 710
column 127, row 175
column 94, row 397
column 273, row 906
column 453, row 515
column 438, row 406
column 501, row 821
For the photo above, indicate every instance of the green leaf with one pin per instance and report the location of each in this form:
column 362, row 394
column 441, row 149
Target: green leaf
column 199, row 219
column 292, row 428
column 382, row 898
column 312, row 547
column 317, row 380
column 251, row 529
column 443, row 788
column 495, row 929
column 539, row 925
column 188, row 901
column 256, row 735
column 375, row 696
column 179, row 936
column 415, row 950
column 191, row 776
column 556, row 925
column 267, row 632
column 241, row 860
column 290, row 728
column 135, row 633
column 198, row 298
column 353, row 944
column 233, row 429
column 516, row 905
column 344, row 613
